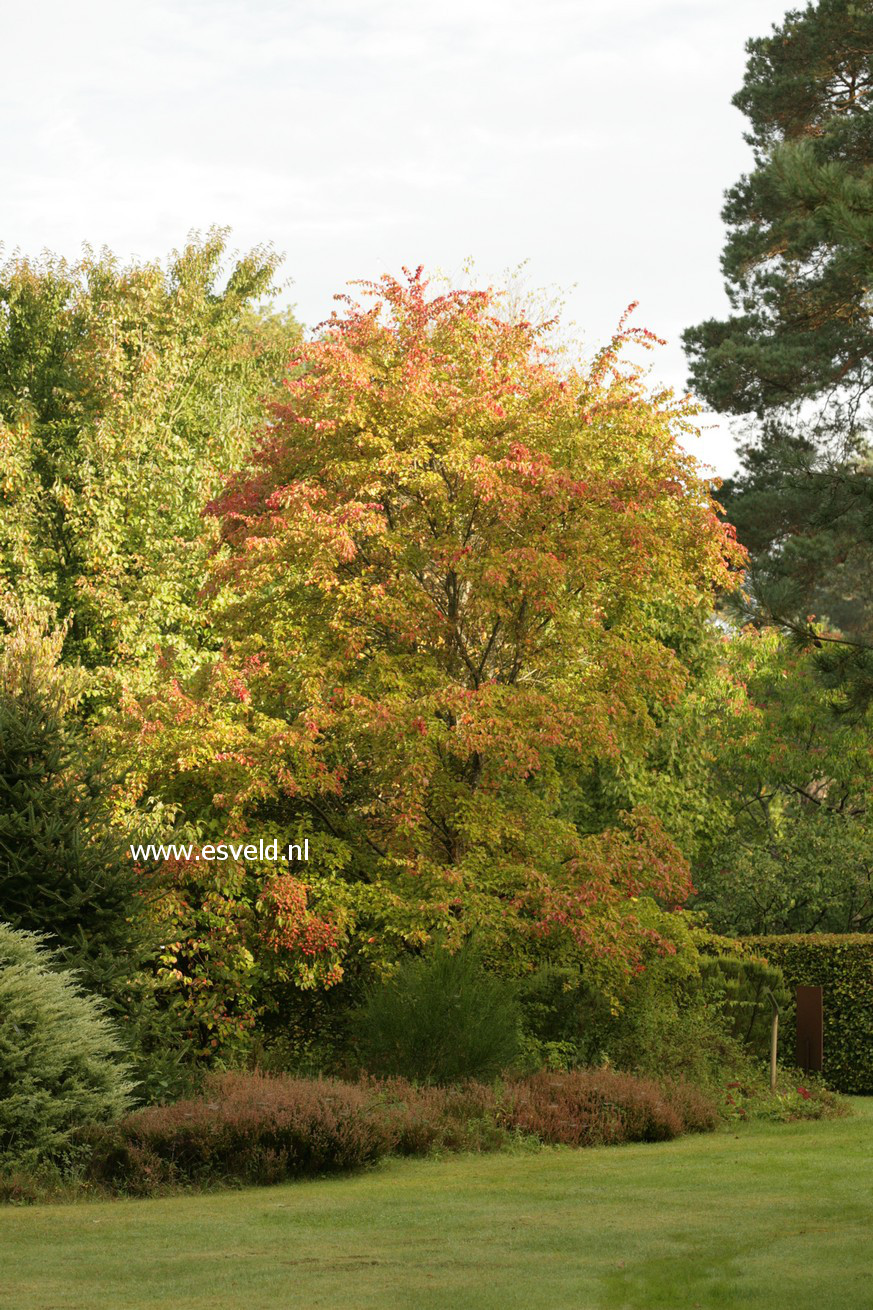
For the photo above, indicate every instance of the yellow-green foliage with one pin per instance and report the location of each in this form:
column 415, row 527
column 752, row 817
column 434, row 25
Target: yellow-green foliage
column 842, row 965
column 59, row 1057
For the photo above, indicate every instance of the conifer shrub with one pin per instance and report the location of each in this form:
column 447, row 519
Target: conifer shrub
column 441, row 1019
column 59, row 1065
column 741, row 987
column 64, row 872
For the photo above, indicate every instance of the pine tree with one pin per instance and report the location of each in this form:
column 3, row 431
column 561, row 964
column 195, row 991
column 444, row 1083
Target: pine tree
column 797, row 260
column 797, row 352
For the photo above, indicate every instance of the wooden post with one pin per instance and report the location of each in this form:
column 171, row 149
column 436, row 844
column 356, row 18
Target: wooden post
column 774, row 1039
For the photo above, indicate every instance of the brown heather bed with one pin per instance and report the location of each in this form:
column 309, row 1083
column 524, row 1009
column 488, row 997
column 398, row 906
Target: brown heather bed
column 254, row 1128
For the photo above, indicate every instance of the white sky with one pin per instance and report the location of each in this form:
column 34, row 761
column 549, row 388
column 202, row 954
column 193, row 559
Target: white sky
column 592, row 139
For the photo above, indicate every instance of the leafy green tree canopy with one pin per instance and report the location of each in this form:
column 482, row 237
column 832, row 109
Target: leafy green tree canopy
column 790, row 843
column 126, row 391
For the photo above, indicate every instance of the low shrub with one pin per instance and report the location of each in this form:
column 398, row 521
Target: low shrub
column 441, row 1019
column 599, row 1107
column 59, row 1057
column 425, row 1119
column 689, row 1044
column 256, row 1128
column 668, row 1023
column 696, row 1108
column 249, row 1128
column 797, row 1096
column 18, row 1187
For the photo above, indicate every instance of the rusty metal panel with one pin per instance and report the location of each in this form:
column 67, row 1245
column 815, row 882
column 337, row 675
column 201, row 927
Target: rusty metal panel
column 810, row 1028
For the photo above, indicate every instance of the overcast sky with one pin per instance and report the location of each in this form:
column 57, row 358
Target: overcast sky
column 593, row 139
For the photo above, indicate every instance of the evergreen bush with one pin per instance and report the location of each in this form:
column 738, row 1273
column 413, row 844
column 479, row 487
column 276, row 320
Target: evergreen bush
column 742, row 987
column 59, row 1066
column 440, row 1019
column 64, row 872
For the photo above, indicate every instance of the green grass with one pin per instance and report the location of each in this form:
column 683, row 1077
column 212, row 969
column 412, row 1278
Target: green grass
column 772, row 1217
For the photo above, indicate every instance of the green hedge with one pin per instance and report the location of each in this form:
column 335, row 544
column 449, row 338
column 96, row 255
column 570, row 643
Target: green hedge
column 842, row 965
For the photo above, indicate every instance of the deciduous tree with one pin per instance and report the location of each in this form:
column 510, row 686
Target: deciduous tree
column 790, row 844
column 126, row 392
column 443, row 582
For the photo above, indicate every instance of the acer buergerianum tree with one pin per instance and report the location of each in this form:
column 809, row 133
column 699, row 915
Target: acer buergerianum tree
column 126, row 392
column 443, row 583
column 797, row 350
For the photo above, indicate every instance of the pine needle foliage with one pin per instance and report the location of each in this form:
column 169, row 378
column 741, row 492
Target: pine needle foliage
column 441, row 1019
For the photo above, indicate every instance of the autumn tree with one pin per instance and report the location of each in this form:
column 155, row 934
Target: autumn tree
column 126, row 392
column 449, row 581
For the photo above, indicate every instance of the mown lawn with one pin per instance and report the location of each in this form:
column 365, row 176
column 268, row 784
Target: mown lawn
column 769, row 1217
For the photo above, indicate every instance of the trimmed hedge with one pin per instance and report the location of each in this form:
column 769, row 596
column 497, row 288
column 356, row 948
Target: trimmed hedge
column 842, row 965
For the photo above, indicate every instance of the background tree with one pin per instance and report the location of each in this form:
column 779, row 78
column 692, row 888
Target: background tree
column 797, row 352
column 125, row 393
column 789, row 845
